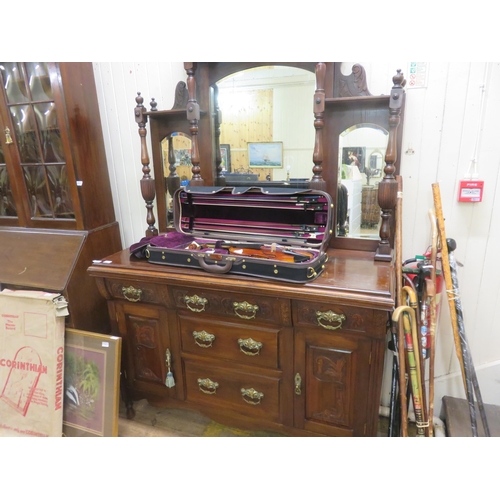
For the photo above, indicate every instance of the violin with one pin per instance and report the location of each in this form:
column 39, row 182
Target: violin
column 257, row 251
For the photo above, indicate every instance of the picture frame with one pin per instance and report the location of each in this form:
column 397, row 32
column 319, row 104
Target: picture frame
column 225, row 154
column 91, row 384
column 265, row 154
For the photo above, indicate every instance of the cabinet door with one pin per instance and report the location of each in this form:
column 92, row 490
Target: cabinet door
column 145, row 333
column 36, row 147
column 332, row 373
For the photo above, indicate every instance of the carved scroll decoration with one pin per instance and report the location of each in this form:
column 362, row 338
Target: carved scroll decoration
column 354, row 85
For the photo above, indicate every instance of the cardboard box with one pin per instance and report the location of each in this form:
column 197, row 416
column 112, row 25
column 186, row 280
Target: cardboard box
column 31, row 363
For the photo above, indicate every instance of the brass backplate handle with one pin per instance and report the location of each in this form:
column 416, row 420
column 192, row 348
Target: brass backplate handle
column 195, row 303
column 207, row 386
column 330, row 317
column 298, row 384
column 249, row 346
column 132, row 294
column 203, row 338
column 244, row 310
column 251, row 396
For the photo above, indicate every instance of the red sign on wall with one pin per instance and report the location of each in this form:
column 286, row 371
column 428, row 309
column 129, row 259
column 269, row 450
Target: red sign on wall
column 471, row 191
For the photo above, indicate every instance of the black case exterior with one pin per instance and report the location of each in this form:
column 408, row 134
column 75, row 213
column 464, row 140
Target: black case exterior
column 289, row 221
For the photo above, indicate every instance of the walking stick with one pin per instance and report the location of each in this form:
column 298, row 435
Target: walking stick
column 451, row 302
column 451, row 244
column 410, row 330
column 431, row 291
column 400, row 345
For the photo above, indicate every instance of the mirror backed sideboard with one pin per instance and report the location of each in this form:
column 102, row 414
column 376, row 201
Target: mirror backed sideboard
column 299, row 359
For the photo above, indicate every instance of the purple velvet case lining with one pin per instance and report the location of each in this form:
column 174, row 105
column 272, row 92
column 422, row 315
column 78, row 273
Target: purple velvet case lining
column 220, row 216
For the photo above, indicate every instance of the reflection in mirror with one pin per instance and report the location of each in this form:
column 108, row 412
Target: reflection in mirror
column 176, row 155
column 361, row 165
column 255, row 108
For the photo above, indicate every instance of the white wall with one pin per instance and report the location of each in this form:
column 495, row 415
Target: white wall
column 443, row 122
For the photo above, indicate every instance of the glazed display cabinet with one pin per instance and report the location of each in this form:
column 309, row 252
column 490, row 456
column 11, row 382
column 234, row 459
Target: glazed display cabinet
column 56, row 208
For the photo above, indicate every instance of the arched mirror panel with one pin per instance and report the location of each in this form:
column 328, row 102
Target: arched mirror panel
column 362, row 150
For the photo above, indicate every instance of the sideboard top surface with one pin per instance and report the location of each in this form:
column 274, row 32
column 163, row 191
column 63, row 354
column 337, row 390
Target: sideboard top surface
column 349, row 277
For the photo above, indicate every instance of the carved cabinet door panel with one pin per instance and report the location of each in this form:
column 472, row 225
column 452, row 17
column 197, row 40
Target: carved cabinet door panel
column 146, row 339
column 332, row 374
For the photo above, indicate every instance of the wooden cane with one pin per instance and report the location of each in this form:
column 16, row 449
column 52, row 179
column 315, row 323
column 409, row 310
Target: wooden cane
column 447, row 275
column 399, row 302
column 431, row 292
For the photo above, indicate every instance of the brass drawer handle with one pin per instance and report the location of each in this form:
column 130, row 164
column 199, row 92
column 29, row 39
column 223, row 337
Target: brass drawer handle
column 244, row 310
column 132, row 294
column 330, row 317
column 207, row 386
column 195, row 303
column 298, row 384
column 250, row 347
column 251, row 396
column 203, row 339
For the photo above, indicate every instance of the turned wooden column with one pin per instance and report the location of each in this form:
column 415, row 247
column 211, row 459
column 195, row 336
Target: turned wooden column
column 193, row 115
column 220, row 178
column 147, row 182
column 388, row 187
column 317, row 181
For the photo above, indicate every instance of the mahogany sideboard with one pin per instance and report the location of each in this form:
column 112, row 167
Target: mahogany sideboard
column 300, row 360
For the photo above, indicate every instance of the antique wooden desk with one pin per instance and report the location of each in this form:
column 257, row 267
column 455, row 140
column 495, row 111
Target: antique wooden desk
column 297, row 359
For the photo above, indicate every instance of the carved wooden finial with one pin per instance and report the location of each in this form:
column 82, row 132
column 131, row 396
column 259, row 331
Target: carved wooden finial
column 153, row 104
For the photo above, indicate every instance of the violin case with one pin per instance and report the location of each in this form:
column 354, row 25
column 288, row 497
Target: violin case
column 276, row 233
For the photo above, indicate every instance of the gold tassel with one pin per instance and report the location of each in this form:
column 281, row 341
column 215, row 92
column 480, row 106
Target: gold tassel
column 169, row 382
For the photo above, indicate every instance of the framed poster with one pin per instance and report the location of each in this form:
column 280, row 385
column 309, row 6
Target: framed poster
column 225, row 154
column 265, row 155
column 91, row 384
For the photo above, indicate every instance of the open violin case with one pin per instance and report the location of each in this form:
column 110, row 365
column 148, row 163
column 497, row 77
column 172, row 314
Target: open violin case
column 271, row 233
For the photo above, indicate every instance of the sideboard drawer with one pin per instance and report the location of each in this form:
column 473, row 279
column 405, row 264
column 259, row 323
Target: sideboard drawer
column 231, row 341
column 335, row 317
column 253, row 395
column 247, row 307
column 134, row 292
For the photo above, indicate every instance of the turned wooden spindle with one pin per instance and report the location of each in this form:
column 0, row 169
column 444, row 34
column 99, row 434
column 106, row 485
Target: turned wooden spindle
column 147, row 182
column 193, row 116
column 220, row 178
column 317, row 181
column 388, row 187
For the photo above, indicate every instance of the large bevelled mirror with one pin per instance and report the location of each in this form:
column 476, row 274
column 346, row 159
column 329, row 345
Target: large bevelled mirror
column 361, row 165
column 267, row 131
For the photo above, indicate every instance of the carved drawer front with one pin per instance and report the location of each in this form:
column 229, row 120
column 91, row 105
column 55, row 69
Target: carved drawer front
column 246, row 307
column 332, row 317
column 135, row 292
column 252, row 395
column 232, row 341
